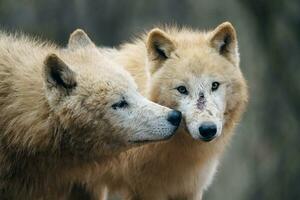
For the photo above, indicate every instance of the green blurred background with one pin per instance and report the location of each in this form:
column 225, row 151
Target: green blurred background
column 263, row 160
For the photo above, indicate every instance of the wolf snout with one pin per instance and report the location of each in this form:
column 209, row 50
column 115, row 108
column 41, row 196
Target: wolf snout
column 208, row 131
column 174, row 117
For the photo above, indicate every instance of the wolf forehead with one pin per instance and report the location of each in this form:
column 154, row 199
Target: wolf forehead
column 104, row 89
column 191, row 48
column 101, row 75
column 202, row 59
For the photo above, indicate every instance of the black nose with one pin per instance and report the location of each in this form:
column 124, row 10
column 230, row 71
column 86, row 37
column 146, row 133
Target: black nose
column 174, row 117
column 208, row 131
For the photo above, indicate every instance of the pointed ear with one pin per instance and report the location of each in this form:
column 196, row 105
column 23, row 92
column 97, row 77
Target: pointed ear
column 159, row 45
column 79, row 39
column 224, row 40
column 58, row 75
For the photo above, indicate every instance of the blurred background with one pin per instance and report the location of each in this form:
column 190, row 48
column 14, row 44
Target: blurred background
column 263, row 160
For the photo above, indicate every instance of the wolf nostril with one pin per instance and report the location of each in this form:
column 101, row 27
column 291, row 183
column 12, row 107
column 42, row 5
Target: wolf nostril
column 208, row 131
column 174, row 117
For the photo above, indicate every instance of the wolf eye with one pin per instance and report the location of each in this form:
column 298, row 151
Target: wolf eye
column 215, row 85
column 120, row 104
column 181, row 89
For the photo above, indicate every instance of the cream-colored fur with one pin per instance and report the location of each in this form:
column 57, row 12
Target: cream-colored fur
column 183, row 167
column 63, row 114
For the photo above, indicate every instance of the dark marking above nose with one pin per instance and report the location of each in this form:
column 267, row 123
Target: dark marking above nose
column 201, row 101
column 201, row 95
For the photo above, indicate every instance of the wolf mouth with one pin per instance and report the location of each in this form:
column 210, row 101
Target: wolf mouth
column 151, row 141
column 208, row 139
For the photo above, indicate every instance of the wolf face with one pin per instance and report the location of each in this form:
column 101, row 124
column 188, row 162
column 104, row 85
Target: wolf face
column 202, row 101
column 198, row 74
column 98, row 103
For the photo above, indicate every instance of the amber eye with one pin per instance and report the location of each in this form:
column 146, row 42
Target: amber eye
column 120, row 104
column 182, row 90
column 215, row 85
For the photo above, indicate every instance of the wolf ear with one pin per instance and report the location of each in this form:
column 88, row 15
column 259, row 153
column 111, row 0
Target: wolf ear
column 58, row 75
column 224, row 40
column 79, row 39
column 159, row 45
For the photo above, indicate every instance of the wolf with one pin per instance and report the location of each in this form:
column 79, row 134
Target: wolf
column 63, row 110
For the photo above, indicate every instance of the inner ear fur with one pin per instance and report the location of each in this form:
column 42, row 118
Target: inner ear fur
column 159, row 45
column 224, row 40
column 58, row 75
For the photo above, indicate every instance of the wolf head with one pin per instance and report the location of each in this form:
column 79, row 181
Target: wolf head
column 198, row 74
column 97, row 102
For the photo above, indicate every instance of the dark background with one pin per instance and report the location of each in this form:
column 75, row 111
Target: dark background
column 263, row 161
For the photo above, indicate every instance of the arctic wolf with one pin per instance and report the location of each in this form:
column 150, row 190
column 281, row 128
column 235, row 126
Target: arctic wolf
column 63, row 110
column 197, row 73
